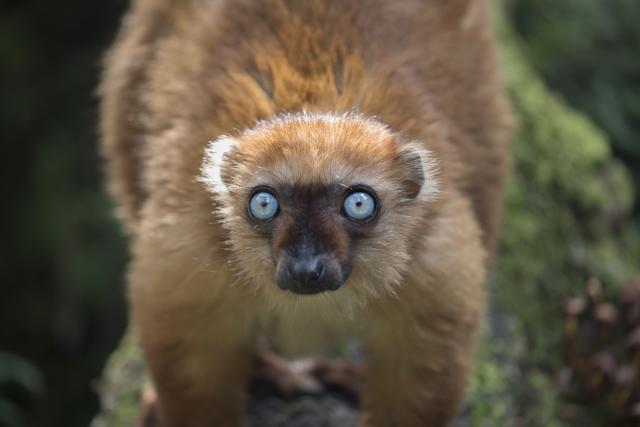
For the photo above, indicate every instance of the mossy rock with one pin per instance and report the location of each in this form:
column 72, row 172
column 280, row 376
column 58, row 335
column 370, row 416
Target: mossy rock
column 122, row 385
column 567, row 206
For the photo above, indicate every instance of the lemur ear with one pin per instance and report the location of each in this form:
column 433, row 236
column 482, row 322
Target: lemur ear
column 418, row 169
column 213, row 175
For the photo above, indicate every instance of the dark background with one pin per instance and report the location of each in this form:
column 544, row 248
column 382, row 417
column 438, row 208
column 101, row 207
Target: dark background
column 62, row 258
column 62, row 255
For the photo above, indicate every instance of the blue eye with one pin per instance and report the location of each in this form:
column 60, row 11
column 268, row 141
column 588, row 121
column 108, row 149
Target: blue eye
column 359, row 205
column 263, row 205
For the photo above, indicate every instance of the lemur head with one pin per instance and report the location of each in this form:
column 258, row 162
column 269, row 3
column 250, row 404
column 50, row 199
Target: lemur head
column 313, row 203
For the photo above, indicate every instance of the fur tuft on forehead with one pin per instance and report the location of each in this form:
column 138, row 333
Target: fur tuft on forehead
column 319, row 149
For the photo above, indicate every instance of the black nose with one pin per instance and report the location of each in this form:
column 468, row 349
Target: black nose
column 307, row 275
column 306, row 271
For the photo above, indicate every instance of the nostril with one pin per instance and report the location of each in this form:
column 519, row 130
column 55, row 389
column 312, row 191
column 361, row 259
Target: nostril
column 291, row 273
column 317, row 272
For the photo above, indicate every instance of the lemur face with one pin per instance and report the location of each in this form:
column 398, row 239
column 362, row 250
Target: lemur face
column 316, row 202
column 311, row 229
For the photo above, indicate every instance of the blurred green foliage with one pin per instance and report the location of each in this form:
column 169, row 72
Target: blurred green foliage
column 62, row 255
column 589, row 51
column 23, row 382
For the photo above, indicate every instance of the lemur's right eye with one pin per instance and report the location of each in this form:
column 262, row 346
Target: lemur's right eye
column 263, row 206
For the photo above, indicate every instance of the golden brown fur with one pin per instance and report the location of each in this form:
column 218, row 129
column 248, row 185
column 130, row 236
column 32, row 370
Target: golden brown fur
column 307, row 93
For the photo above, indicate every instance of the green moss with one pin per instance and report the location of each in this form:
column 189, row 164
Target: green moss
column 489, row 399
column 567, row 218
column 123, row 383
column 566, row 210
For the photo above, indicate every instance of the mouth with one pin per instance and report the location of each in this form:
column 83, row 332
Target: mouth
column 308, row 291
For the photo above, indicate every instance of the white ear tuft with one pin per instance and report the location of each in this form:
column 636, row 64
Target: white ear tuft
column 421, row 171
column 211, row 170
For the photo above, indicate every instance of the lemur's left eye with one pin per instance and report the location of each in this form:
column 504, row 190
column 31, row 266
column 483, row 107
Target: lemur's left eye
column 263, row 205
column 359, row 205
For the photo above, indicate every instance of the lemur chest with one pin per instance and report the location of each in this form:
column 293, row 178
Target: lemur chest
column 306, row 330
